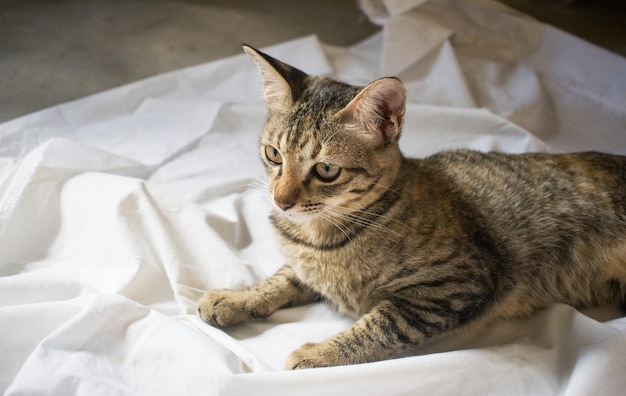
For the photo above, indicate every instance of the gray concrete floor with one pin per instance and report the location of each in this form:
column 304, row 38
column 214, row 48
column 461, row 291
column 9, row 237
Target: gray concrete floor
column 55, row 51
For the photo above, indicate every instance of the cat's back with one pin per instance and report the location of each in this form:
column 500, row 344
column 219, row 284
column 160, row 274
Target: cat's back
column 535, row 204
column 533, row 179
column 532, row 197
column 554, row 225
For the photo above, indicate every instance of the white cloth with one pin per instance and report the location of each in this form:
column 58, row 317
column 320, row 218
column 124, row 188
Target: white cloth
column 117, row 211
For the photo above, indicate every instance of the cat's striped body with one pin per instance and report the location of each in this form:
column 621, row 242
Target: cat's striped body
column 415, row 249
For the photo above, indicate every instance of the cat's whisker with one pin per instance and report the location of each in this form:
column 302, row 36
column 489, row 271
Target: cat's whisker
column 363, row 212
column 330, row 137
column 256, row 183
column 257, row 186
column 377, row 215
column 358, row 220
column 331, row 220
column 372, row 224
column 386, row 188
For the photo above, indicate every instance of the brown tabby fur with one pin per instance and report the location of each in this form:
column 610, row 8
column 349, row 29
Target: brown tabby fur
column 414, row 249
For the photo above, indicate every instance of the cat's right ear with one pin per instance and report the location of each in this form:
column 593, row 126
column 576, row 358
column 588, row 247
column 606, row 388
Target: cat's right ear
column 283, row 83
column 377, row 111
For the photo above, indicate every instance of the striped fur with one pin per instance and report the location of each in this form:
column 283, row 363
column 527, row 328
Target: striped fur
column 416, row 249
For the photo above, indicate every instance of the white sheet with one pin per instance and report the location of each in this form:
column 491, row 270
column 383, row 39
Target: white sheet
column 117, row 211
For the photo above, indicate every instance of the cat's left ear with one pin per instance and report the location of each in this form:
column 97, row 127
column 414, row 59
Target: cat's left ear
column 283, row 83
column 377, row 112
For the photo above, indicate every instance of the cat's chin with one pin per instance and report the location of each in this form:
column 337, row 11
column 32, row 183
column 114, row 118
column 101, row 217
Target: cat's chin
column 300, row 218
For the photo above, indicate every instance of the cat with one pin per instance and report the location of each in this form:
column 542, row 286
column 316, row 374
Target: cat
column 415, row 249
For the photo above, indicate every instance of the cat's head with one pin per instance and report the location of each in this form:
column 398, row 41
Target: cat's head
column 329, row 148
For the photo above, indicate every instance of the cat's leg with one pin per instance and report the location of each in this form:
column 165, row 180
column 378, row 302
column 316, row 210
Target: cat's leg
column 228, row 307
column 392, row 326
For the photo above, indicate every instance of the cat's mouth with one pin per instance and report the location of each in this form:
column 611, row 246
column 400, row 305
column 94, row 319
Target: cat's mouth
column 302, row 213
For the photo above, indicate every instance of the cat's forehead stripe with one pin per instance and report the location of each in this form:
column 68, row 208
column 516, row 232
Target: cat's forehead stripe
column 294, row 133
column 280, row 136
column 316, row 150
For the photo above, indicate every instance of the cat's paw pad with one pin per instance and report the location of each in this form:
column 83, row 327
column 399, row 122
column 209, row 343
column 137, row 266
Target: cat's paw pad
column 313, row 355
column 224, row 308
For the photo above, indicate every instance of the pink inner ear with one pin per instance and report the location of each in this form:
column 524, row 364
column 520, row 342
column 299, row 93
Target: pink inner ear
column 377, row 111
column 392, row 97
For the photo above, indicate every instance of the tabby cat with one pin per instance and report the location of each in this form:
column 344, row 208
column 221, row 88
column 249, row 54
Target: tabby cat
column 415, row 249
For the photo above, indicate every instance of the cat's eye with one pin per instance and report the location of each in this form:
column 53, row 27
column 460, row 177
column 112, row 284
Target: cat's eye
column 326, row 172
column 273, row 156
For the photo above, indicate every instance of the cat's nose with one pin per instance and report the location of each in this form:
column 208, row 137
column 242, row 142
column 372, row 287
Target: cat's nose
column 284, row 204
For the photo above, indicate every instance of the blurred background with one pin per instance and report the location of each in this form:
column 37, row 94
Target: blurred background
column 53, row 51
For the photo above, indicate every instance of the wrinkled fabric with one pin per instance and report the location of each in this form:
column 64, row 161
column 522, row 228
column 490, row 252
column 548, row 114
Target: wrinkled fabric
column 117, row 212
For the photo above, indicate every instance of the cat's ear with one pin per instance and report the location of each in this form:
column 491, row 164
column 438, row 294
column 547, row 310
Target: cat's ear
column 283, row 83
column 377, row 112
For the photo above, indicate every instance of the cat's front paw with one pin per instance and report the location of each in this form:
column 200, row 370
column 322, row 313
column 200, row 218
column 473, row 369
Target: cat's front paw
column 224, row 308
column 313, row 355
